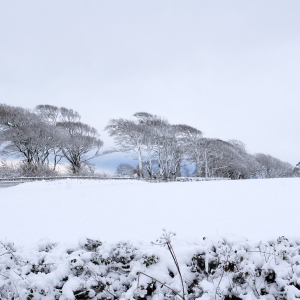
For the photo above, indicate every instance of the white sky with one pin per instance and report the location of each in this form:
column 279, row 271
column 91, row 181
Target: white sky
column 229, row 68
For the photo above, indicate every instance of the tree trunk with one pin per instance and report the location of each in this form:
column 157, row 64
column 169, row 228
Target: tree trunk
column 141, row 175
column 206, row 165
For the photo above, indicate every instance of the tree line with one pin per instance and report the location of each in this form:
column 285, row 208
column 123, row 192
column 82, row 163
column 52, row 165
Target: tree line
column 43, row 137
column 166, row 151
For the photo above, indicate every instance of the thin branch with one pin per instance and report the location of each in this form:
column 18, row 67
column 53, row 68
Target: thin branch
column 176, row 293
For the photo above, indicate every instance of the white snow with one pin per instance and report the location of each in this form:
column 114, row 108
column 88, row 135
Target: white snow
column 111, row 210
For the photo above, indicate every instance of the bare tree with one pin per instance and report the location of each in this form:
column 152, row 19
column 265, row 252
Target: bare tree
column 218, row 158
column 296, row 170
column 169, row 151
column 156, row 143
column 129, row 137
column 192, row 142
column 161, row 145
column 214, row 156
column 25, row 135
column 271, row 167
column 125, row 169
column 49, row 130
column 81, row 143
column 54, row 116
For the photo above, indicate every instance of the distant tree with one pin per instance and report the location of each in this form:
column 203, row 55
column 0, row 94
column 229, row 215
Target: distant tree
column 157, row 144
column 25, row 135
column 47, row 131
column 271, row 167
column 243, row 164
column 218, row 158
column 192, row 141
column 169, row 151
column 125, row 169
column 162, row 146
column 296, row 170
column 77, row 142
column 208, row 155
column 129, row 136
column 53, row 115
column 152, row 127
column 81, row 143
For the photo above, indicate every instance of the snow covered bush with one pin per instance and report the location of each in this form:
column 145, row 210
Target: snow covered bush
column 223, row 268
column 9, row 169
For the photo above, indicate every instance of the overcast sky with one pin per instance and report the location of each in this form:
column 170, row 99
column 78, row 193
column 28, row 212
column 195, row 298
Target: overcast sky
column 228, row 68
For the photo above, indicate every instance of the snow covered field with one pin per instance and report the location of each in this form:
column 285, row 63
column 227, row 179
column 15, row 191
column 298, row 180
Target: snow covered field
column 63, row 211
column 221, row 266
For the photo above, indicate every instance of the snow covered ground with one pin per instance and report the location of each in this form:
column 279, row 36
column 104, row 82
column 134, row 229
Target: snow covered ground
column 112, row 211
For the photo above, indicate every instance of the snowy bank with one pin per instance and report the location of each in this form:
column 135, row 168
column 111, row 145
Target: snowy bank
column 219, row 268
